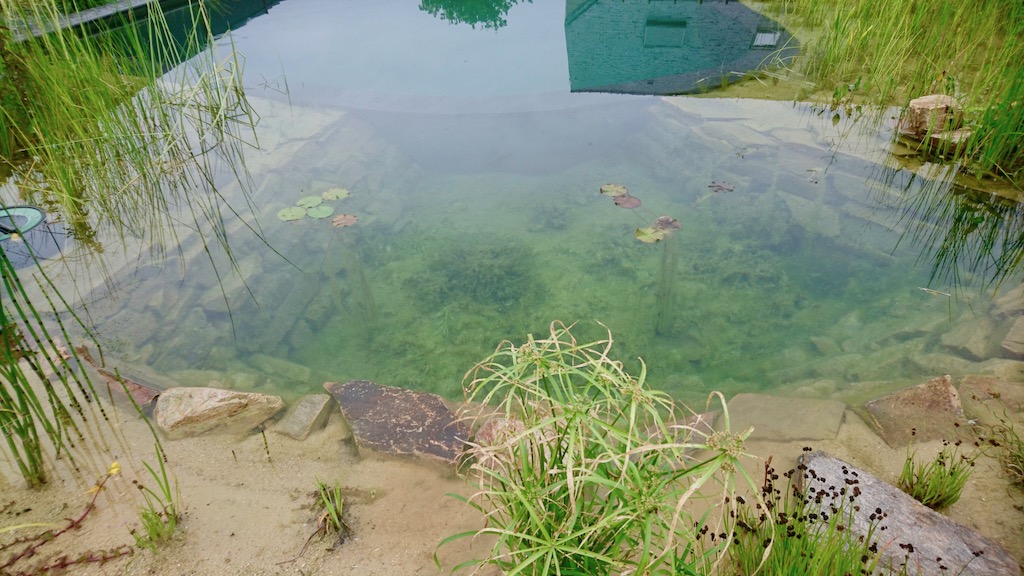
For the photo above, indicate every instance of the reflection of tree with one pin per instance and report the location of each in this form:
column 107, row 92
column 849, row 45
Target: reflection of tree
column 489, row 13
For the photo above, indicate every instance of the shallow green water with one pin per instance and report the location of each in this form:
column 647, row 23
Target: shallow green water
column 480, row 219
column 456, row 249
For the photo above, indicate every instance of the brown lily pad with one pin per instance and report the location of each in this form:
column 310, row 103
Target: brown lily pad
column 343, row 220
column 627, row 201
column 718, row 186
column 666, row 223
column 614, row 190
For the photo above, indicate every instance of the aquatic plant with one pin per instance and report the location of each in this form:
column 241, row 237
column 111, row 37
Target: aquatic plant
column 595, row 473
column 313, row 206
column 45, row 394
column 937, row 482
column 883, row 54
column 89, row 130
column 331, row 519
column 488, row 274
column 798, row 532
column 1005, row 437
column 94, row 131
column 160, row 512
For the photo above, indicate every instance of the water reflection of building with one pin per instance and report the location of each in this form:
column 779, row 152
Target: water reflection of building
column 667, row 46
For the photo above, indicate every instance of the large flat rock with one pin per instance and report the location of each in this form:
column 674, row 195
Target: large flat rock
column 781, row 419
column 929, row 411
column 182, row 412
column 940, row 547
column 394, row 421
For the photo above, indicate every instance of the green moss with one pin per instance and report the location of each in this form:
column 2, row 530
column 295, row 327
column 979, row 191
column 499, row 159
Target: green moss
column 494, row 275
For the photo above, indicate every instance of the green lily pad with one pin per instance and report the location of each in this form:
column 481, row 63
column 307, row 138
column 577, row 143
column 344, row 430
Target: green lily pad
column 650, row 235
column 321, row 211
column 309, row 201
column 335, row 194
column 292, row 213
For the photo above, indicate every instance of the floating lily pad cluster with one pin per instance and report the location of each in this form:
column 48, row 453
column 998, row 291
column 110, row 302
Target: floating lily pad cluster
column 314, row 207
column 657, row 230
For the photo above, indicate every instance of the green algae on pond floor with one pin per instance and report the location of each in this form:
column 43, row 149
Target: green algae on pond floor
column 793, row 275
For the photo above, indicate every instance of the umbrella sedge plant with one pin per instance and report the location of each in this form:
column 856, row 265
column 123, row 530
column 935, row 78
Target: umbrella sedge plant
column 588, row 471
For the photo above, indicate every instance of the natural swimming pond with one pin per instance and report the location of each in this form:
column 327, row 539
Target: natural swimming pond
column 445, row 181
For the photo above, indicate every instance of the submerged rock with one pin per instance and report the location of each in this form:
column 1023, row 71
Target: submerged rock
column 930, row 543
column 786, row 419
column 929, row 411
column 182, row 412
column 394, row 421
column 1013, row 343
column 309, row 414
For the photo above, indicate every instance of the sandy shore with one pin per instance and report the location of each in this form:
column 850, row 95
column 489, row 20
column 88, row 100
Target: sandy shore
column 248, row 507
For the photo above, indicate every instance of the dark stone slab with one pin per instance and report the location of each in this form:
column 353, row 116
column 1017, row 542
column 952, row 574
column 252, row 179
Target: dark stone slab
column 933, row 536
column 929, row 411
column 399, row 422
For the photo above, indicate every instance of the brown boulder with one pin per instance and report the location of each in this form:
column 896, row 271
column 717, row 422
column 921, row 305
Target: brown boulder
column 928, row 411
column 929, row 115
column 394, row 421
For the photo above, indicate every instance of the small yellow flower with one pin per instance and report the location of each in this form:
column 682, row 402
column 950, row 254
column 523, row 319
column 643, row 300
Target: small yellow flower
column 115, row 468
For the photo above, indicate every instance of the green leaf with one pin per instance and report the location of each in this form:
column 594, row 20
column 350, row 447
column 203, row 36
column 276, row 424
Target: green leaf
column 650, row 235
column 614, row 190
column 309, row 201
column 321, row 211
column 292, row 213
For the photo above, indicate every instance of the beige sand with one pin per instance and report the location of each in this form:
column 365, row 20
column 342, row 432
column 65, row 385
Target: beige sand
column 247, row 514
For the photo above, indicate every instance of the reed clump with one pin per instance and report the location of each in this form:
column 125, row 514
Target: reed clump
column 882, row 54
column 593, row 472
column 807, row 531
column 937, row 482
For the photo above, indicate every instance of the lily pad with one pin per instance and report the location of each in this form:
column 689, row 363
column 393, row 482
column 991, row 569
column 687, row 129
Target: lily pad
column 309, row 201
column 292, row 213
column 321, row 211
column 614, row 190
column 627, row 201
column 666, row 223
column 650, row 235
column 335, row 194
column 343, row 220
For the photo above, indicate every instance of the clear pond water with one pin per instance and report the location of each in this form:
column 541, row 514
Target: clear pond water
column 474, row 173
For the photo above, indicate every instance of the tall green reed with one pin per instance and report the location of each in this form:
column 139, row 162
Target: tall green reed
column 884, row 54
column 107, row 132
column 43, row 390
column 591, row 472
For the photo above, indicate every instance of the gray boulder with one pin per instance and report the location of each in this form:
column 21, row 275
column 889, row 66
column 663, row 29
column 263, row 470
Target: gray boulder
column 930, row 543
